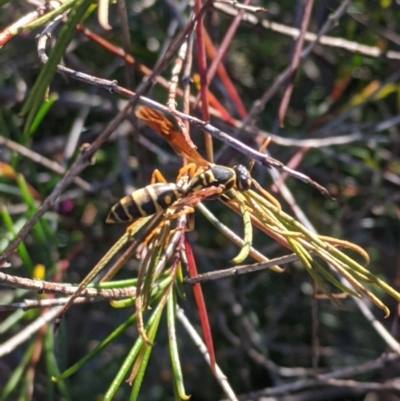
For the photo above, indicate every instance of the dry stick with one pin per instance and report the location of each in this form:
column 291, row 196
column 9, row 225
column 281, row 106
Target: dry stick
column 44, row 161
column 202, row 66
column 217, row 61
column 186, row 79
column 238, row 6
column 295, row 61
column 12, row 30
column 353, row 47
column 28, row 304
column 323, row 379
column 176, row 70
column 75, row 133
column 173, row 86
column 25, row 334
column 259, row 104
column 220, row 376
column 243, row 269
column 45, row 287
column 85, row 157
column 313, row 142
column 261, row 158
column 126, row 40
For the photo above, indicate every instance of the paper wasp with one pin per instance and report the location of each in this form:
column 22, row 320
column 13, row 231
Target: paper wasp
column 155, row 198
column 216, row 181
column 233, row 186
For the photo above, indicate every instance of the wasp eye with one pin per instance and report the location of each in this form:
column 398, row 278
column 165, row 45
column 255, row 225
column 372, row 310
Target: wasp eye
column 243, row 178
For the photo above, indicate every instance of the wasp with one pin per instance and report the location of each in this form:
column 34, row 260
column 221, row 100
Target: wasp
column 158, row 197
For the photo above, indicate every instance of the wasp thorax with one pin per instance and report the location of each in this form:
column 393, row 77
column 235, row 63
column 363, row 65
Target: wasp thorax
column 218, row 177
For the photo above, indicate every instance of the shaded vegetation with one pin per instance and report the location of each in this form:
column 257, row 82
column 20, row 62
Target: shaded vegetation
column 272, row 333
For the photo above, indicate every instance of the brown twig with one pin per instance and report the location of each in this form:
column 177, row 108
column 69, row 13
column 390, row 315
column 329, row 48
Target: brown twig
column 12, row 30
column 324, row 379
column 85, row 157
column 217, row 66
column 294, row 64
column 202, row 66
column 259, row 104
column 340, row 43
column 62, row 289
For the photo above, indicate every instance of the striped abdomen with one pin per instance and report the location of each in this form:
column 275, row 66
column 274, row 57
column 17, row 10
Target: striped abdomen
column 144, row 202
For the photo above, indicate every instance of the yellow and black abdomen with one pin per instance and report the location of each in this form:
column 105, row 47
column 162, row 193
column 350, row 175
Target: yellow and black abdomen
column 144, row 202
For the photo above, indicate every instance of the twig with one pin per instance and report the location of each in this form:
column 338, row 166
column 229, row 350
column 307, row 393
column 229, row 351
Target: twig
column 202, row 67
column 126, row 40
column 217, row 65
column 238, row 6
column 222, row 380
column 25, row 334
column 353, row 47
column 294, row 64
column 75, row 133
column 390, row 385
column 85, row 157
column 12, row 30
column 252, row 154
column 45, row 287
column 323, row 379
column 259, row 104
column 44, row 161
column 244, row 269
column 176, row 70
column 27, row 304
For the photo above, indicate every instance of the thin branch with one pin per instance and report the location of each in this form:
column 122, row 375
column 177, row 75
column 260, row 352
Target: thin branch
column 15, row 28
column 323, row 379
column 259, row 104
column 27, row 304
column 25, row 334
column 294, row 64
column 44, row 161
column 85, row 157
column 220, row 376
column 45, row 287
column 340, row 43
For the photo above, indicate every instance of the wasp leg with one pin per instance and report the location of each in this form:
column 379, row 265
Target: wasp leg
column 158, row 177
column 190, row 227
column 190, row 169
column 166, row 220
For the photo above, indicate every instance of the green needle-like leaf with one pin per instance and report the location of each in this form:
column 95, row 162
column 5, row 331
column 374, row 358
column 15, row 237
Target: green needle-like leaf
column 33, row 103
column 173, row 347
